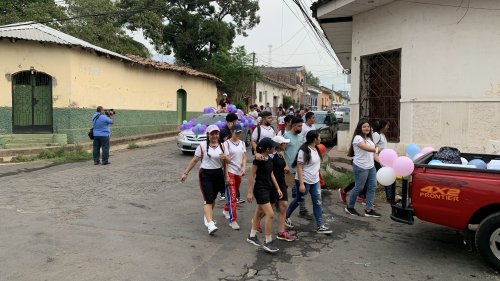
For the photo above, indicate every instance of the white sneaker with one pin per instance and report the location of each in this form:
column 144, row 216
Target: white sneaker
column 205, row 221
column 226, row 214
column 234, row 225
column 211, row 228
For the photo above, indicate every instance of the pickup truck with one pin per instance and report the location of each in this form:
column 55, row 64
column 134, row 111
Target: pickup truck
column 463, row 198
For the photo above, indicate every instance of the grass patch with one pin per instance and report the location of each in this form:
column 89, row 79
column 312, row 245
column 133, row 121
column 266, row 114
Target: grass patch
column 336, row 182
column 60, row 155
column 132, row 145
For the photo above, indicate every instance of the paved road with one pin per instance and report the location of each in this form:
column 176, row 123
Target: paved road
column 133, row 220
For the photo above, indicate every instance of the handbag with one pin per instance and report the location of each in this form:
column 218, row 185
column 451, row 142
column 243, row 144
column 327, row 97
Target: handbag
column 91, row 131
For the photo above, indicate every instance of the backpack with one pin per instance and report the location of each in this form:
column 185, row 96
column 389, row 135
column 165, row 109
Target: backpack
column 448, row 155
column 258, row 136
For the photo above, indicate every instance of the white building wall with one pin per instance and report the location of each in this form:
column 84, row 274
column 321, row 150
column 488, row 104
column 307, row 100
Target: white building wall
column 450, row 71
column 270, row 91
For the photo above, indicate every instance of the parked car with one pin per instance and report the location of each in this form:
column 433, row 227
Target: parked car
column 187, row 141
column 343, row 114
column 327, row 126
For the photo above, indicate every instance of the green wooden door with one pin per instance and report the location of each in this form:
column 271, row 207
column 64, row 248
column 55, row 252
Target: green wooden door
column 32, row 103
column 181, row 106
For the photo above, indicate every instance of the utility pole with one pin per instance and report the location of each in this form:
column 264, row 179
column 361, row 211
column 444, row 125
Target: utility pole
column 254, row 84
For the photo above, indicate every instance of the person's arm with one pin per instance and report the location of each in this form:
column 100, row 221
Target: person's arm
column 367, row 147
column 244, row 164
column 302, row 187
column 276, row 185
column 189, row 167
column 251, row 181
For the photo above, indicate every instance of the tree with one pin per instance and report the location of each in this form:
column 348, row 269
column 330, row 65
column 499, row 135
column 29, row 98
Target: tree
column 311, row 79
column 236, row 70
column 287, row 102
column 15, row 11
column 193, row 30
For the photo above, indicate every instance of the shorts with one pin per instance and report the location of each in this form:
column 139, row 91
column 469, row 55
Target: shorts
column 211, row 183
column 264, row 195
column 285, row 193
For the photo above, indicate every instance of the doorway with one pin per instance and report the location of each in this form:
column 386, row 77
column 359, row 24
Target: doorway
column 31, row 103
column 181, row 105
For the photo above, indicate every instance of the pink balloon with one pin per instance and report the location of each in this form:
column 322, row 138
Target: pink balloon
column 418, row 155
column 387, row 157
column 426, row 150
column 403, row 166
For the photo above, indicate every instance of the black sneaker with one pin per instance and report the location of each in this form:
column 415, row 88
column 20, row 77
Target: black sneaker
column 372, row 213
column 305, row 215
column 254, row 240
column 106, row 163
column 269, row 247
column 351, row 211
column 324, row 230
column 97, row 162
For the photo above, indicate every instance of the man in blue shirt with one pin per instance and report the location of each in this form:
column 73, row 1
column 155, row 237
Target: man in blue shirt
column 101, row 121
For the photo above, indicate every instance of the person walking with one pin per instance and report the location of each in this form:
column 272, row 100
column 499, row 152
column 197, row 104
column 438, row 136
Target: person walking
column 280, row 168
column 235, row 150
column 211, row 174
column 263, row 130
column 101, row 121
column 263, row 187
column 380, row 128
column 224, row 135
column 362, row 150
column 308, row 125
column 308, row 162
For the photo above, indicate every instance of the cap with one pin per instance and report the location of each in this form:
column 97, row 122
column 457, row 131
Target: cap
column 212, row 128
column 291, row 106
column 236, row 128
column 280, row 140
column 224, row 94
column 266, row 143
column 259, row 119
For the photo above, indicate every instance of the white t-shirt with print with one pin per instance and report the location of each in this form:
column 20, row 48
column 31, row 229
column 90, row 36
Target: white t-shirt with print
column 209, row 162
column 362, row 158
column 310, row 171
column 265, row 132
column 379, row 140
column 305, row 129
column 281, row 120
column 236, row 151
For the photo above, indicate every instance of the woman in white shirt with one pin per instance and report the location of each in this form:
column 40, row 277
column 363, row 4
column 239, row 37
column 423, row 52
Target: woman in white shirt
column 362, row 150
column 211, row 173
column 308, row 163
column 380, row 128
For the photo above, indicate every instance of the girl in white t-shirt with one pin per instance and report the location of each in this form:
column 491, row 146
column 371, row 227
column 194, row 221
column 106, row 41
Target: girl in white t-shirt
column 380, row 128
column 211, row 173
column 362, row 150
column 236, row 150
column 308, row 163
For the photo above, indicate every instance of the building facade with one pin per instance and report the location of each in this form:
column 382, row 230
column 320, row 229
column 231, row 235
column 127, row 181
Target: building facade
column 269, row 90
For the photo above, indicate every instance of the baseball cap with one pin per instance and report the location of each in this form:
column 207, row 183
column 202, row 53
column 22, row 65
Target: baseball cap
column 224, row 94
column 212, row 128
column 291, row 106
column 280, row 140
column 266, row 143
column 237, row 128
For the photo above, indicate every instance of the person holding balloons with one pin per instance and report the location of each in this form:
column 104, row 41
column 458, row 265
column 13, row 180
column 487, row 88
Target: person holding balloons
column 380, row 128
column 362, row 150
column 211, row 173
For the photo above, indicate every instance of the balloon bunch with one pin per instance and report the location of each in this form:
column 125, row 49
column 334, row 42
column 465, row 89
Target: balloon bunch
column 247, row 122
column 473, row 163
column 199, row 129
column 220, row 124
column 231, row 108
column 209, row 110
column 186, row 125
column 415, row 152
column 392, row 166
column 240, row 113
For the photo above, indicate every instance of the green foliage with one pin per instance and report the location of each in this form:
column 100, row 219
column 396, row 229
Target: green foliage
column 311, row 79
column 336, row 182
column 132, row 145
column 15, row 11
column 287, row 101
column 192, row 30
column 61, row 155
column 241, row 105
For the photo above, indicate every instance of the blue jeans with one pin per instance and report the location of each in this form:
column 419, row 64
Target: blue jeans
column 100, row 142
column 315, row 191
column 362, row 177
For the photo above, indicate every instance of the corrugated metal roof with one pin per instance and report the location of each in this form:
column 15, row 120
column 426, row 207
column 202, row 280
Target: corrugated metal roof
column 42, row 33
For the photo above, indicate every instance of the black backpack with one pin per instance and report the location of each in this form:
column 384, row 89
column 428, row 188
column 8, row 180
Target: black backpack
column 448, row 155
column 258, row 136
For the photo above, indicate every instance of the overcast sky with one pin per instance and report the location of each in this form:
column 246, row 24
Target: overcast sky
column 292, row 40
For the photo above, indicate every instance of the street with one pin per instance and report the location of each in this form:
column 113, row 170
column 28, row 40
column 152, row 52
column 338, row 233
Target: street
column 134, row 220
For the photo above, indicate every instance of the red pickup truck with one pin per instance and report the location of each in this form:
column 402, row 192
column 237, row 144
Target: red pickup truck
column 458, row 197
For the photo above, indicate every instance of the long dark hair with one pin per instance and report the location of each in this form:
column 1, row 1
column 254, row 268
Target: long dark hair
column 310, row 138
column 208, row 144
column 358, row 131
column 379, row 125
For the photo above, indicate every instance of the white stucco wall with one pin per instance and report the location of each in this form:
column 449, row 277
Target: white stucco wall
column 450, row 71
column 272, row 91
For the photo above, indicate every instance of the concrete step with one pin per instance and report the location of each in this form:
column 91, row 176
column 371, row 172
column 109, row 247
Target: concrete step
column 32, row 140
column 31, row 144
column 340, row 167
column 341, row 160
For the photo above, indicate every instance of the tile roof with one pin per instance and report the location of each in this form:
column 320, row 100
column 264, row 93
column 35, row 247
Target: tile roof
column 41, row 33
column 278, row 83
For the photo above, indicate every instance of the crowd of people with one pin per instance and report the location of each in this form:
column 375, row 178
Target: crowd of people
column 286, row 157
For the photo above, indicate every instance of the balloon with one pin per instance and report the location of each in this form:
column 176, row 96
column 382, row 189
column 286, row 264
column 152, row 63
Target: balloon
column 494, row 165
column 322, row 148
column 412, row 149
column 435, row 162
column 208, row 110
column 386, row 176
column 426, row 150
column 403, row 166
column 184, row 122
column 240, row 112
column 387, row 157
column 464, row 161
column 418, row 155
column 480, row 164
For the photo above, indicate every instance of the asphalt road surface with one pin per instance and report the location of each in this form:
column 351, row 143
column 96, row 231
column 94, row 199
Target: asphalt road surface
column 134, row 220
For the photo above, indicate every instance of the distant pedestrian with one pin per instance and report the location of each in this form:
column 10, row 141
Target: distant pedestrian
column 253, row 112
column 281, row 121
column 224, row 101
column 211, row 174
column 101, row 121
column 263, row 187
column 308, row 125
column 268, row 108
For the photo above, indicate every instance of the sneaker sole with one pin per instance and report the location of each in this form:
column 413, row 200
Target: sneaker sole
column 285, row 239
column 289, row 226
column 347, row 211
column 213, row 231
column 372, row 216
column 270, row 250
column 253, row 243
column 325, row 232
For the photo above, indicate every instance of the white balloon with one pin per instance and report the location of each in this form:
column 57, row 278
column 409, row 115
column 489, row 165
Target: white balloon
column 386, row 176
column 464, row 161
